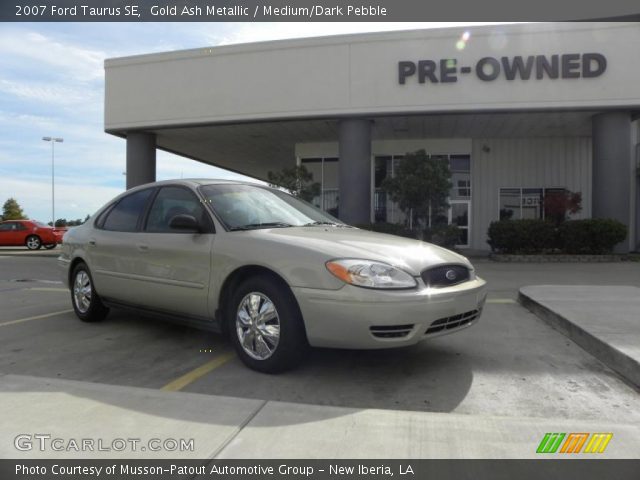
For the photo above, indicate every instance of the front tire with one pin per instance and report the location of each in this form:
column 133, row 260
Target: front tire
column 86, row 302
column 33, row 242
column 266, row 326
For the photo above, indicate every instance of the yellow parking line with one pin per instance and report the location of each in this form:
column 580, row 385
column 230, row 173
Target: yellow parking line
column 190, row 377
column 500, row 300
column 37, row 317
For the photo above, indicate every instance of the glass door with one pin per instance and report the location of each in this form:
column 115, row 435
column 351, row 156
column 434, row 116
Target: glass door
column 460, row 216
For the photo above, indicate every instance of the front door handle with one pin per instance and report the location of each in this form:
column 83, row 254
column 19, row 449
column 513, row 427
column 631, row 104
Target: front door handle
column 143, row 247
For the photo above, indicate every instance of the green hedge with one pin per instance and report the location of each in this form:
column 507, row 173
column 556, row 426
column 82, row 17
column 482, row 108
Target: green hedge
column 522, row 236
column 591, row 236
column 444, row 235
column 390, row 228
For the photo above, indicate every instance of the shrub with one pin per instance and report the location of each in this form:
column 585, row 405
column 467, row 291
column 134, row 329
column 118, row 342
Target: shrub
column 522, row 236
column 390, row 228
column 447, row 236
column 592, row 236
column 443, row 235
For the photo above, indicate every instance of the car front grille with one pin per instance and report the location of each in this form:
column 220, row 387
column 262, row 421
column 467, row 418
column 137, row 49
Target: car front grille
column 445, row 276
column 391, row 331
column 455, row 321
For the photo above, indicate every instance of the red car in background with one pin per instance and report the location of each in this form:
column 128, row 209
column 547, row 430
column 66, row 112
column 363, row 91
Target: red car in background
column 29, row 233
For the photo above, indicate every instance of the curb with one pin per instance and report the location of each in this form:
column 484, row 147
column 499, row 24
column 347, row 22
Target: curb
column 559, row 258
column 618, row 361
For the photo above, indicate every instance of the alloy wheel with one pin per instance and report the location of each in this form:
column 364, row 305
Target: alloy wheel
column 82, row 291
column 33, row 243
column 258, row 325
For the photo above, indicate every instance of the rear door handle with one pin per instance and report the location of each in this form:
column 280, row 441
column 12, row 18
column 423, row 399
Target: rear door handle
column 92, row 243
column 143, row 247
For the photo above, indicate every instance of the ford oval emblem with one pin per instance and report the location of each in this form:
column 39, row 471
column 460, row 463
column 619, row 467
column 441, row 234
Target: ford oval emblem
column 451, row 275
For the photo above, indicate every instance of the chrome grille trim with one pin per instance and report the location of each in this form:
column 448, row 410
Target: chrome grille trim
column 436, row 277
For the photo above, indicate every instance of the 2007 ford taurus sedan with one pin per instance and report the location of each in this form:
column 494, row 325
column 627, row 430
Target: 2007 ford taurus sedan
column 272, row 271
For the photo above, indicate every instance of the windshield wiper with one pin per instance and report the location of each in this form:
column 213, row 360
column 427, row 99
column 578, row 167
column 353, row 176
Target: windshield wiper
column 334, row 224
column 253, row 226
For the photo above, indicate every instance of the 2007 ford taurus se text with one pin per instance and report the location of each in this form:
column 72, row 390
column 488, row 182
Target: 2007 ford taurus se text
column 274, row 272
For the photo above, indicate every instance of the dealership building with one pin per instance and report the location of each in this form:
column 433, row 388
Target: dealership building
column 519, row 111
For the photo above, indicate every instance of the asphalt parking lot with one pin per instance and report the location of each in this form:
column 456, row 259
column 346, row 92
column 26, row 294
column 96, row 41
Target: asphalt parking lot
column 510, row 364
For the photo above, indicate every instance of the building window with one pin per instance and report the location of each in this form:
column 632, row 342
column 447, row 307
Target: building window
column 325, row 172
column 524, row 203
column 385, row 167
column 460, row 167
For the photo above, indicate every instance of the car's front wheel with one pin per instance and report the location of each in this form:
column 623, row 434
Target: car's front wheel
column 266, row 326
column 33, row 242
column 86, row 302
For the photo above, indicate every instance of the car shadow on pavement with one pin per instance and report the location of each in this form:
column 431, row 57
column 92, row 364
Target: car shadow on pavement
column 416, row 378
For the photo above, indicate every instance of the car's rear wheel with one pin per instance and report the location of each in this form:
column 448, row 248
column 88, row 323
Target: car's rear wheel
column 266, row 326
column 33, row 242
column 50, row 246
column 86, row 302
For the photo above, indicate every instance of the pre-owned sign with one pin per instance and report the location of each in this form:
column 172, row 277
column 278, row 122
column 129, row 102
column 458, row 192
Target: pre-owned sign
column 447, row 70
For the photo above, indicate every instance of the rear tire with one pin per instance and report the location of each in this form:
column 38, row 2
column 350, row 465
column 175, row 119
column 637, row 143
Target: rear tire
column 84, row 298
column 265, row 325
column 33, row 242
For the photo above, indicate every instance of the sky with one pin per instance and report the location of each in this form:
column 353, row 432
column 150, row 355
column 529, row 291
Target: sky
column 52, row 84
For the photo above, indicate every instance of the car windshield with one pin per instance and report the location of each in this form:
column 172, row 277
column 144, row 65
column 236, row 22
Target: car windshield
column 40, row 224
column 248, row 207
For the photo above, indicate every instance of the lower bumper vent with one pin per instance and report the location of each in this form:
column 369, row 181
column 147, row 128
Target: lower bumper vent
column 391, row 331
column 455, row 321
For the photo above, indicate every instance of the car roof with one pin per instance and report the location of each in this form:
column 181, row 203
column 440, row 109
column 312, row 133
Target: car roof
column 196, row 182
column 188, row 182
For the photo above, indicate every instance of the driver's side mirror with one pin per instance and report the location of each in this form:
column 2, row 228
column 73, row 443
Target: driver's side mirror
column 184, row 222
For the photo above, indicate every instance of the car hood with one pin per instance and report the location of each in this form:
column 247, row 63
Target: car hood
column 413, row 256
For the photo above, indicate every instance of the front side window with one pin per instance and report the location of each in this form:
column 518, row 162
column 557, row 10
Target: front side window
column 125, row 215
column 242, row 207
column 172, row 201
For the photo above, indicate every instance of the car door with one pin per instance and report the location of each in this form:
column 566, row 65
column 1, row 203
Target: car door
column 113, row 248
column 7, row 234
column 176, row 264
column 21, row 231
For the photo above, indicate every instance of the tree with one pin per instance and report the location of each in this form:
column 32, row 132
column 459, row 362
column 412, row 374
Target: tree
column 297, row 180
column 11, row 210
column 421, row 186
column 558, row 204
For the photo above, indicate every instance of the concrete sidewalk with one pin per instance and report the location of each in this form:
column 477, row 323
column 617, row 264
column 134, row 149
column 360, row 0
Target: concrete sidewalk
column 225, row 427
column 604, row 320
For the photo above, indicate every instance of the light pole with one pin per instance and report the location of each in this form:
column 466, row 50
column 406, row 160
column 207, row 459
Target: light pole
column 53, row 141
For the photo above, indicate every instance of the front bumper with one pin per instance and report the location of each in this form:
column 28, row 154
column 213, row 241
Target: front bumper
column 361, row 318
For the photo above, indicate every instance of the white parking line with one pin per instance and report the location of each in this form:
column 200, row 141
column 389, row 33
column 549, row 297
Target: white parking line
column 500, row 300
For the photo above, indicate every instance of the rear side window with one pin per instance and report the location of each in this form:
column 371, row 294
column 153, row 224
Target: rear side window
column 172, row 201
column 125, row 215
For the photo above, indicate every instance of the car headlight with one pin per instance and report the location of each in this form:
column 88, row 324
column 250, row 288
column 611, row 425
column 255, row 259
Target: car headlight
column 370, row 274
